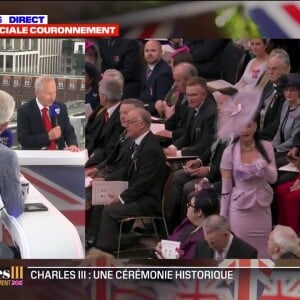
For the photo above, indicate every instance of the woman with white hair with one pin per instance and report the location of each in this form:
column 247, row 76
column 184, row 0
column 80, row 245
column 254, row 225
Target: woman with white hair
column 10, row 186
column 283, row 243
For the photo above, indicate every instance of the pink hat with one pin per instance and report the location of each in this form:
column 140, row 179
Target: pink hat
column 236, row 113
column 182, row 49
column 89, row 44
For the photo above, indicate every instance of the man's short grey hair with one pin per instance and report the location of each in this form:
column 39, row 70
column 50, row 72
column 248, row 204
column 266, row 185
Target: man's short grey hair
column 114, row 73
column 216, row 223
column 39, row 82
column 188, row 70
column 144, row 116
column 133, row 101
column 283, row 56
column 286, row 239
column 111, row 88
column 7, row 106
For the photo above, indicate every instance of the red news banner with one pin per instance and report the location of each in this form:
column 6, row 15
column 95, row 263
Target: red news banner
column 59, row 30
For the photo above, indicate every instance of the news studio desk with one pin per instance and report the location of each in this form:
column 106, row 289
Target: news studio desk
column 43, row 234
column 51, row 158
column 59, row 176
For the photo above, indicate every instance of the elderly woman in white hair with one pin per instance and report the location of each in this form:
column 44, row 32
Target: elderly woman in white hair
column 10, row 186
column 283, row 243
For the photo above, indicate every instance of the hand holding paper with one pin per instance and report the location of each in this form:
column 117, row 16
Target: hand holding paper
column 169, row 249
column 106, row 192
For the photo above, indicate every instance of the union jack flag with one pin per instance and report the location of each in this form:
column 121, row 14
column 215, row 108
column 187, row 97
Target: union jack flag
column 283, row 285
column 253, row 280
column 250, row 277
column 169, row 290
column 276, row 19
column 17, row 282
column 64, row 189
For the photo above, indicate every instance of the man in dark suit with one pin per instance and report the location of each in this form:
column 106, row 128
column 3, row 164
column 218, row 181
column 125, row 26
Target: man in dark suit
column 207, row 56
column 272, row 99
column 116, row 163
column 95, row 119
column 37, row 128
column 146, row 178
column 123, row 55
column 156, row 76
column 109, row 127
column 200, row 128
column 184, row 180
column 175, row 125
column 114, row 167
column 220, row 243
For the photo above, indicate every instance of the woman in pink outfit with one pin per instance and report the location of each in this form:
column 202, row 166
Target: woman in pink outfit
column 247, row 168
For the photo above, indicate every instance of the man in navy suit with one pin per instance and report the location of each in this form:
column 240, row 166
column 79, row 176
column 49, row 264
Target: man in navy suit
column 157, row 76
column 32, row 131
column 146, row 179
column 220, row 243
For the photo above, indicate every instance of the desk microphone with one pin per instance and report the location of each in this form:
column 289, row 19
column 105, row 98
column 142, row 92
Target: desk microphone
column 7, row 138
column 54, row 112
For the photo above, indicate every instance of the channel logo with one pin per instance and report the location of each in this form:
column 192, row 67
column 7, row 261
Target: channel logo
column 12, row 276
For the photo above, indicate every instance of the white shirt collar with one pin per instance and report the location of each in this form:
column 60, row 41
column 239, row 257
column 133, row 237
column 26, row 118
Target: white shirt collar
column 226, row 249
column 111, row 110
column 40, row 106
column 152, row 66
column 196, row 109
column 141, row 137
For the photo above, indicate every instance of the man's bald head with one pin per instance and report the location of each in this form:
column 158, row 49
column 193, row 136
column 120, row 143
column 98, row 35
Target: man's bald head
column 152, row 52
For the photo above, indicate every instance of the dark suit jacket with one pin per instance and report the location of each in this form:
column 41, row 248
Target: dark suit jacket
column 199, row 133
column 238, row 249
column 123, row 55
column 146, row 176
column 105, row 138
column 272, row 114
column 31, row 130
column 91, row 126
column 215, row 159
column 157, row 85
column 117, row 163
column 207, row 56
column 176, row 123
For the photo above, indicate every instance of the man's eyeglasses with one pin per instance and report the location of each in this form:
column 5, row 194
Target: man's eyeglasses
column 193, row 95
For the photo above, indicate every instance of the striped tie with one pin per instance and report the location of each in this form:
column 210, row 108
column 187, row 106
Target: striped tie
column 149, row 71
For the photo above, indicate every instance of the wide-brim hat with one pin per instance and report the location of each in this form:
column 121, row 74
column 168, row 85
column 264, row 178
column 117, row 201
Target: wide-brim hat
column 236, row 113
column 291, row 79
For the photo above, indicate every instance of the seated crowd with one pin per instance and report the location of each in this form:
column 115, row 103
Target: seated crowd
column 219, row 186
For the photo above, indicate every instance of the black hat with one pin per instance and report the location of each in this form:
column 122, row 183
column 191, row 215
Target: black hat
column 292, row 79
